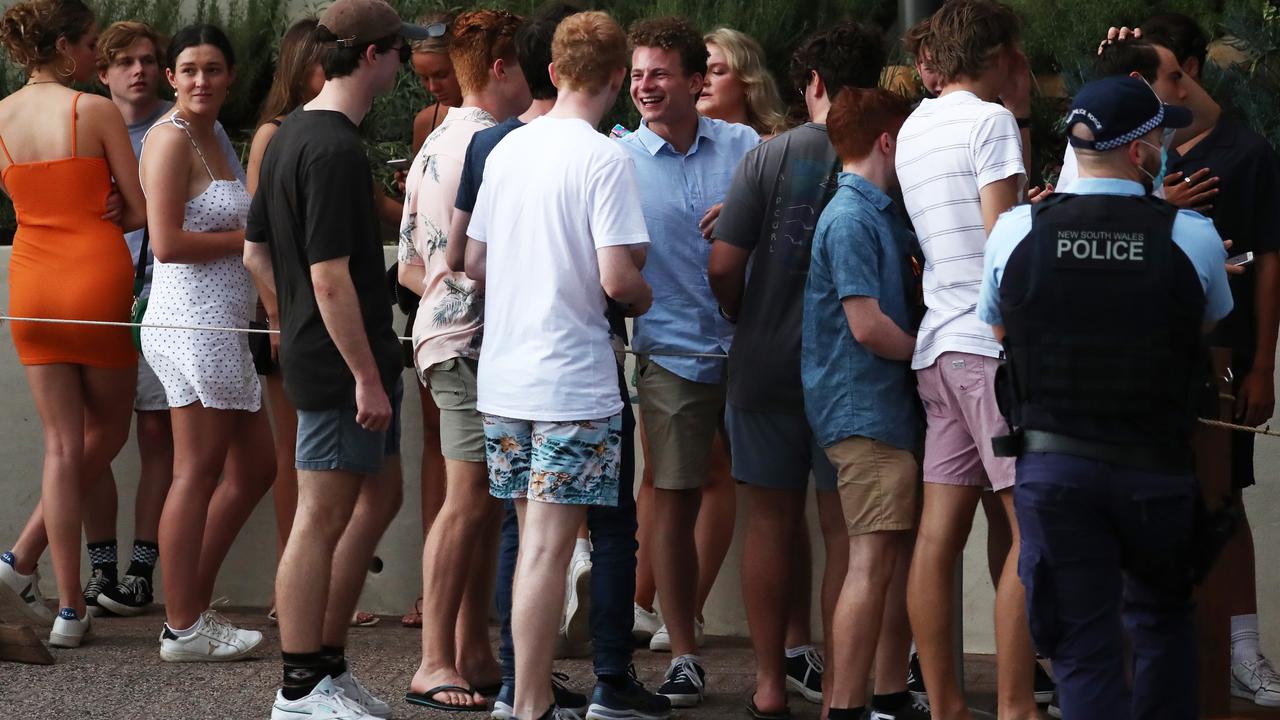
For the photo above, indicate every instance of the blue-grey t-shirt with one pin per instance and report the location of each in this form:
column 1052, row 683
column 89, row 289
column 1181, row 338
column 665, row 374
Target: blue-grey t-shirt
column 482, row 143
column 861, row 248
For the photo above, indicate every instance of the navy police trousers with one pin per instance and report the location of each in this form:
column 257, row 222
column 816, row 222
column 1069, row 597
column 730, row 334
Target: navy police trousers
column 1094, row 536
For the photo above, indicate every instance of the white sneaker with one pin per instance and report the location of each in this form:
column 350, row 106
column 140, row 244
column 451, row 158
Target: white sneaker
column 357, row 693
column 661, row 641
column 21, row 594
column 577, row 601
column 68, row 630
column 646, row 624
column 1256, row 682
column 326, row 702
column 214, row 640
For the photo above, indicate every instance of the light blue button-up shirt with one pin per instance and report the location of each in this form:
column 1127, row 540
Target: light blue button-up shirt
column 675, row 192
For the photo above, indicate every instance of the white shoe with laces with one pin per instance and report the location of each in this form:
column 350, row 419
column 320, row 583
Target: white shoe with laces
column 1256, row 682
column 645, row 624
column 214, row 640
column 21, row 593
column 326, row 702
column 69, row 630
column 577, row 599
column 661, row 640
column 357, row 693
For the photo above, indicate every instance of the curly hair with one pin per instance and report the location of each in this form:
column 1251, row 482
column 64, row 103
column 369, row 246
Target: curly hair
column 476, row 40
column 672, row 33
column 849, row 54
column 587, row 49
column 30, row 30
column 964, row 36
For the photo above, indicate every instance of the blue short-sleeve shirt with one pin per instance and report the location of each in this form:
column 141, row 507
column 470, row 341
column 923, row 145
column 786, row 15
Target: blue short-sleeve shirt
column 861, row 248
column 1193, row 233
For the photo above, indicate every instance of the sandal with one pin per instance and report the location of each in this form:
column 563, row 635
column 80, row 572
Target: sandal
column 413, row 619
column 427, row 699
column 272, row 616
column 364, row 619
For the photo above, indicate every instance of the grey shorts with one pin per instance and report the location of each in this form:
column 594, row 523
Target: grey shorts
column 150, row 396
column 332, row 440
column 776, row 450
column 453, row 387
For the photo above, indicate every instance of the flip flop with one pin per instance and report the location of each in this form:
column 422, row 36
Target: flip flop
column 413, row 619
column 427, row 699
column 364, row 619
column 758, row 714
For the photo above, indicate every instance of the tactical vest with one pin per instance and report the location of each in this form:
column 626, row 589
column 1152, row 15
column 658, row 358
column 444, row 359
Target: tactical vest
column 1102, row 317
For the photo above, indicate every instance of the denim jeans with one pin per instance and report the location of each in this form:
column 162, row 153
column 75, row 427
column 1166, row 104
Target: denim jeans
column 613, row 566
column 1098, row 543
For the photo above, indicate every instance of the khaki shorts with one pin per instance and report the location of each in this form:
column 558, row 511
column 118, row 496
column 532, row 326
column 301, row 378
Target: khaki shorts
column 453, row 387
column 681, row 419
column 879, row 485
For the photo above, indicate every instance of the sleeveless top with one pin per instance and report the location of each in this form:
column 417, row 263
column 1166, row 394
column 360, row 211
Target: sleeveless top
column 212, row 367
column 68, row 262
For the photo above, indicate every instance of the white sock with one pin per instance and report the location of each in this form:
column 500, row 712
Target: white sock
column 183, row 633
column 1244, row 638
column 798, row 650
column 695, row 658
column 581, row 545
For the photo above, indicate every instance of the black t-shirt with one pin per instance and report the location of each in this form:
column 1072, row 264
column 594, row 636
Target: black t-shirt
column 772, row 209
column 315, row 203
column 1246, row 211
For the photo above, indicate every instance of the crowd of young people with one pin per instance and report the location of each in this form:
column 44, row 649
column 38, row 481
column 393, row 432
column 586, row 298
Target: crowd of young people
column 804, row 303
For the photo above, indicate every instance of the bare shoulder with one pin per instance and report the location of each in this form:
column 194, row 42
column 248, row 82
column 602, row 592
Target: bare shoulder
column 262, row 136
column 97, row 108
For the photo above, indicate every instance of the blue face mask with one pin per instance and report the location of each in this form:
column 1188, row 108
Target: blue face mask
column 1157, row 180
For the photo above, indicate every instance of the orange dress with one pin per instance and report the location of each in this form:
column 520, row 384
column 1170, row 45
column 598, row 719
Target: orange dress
column 68, row 262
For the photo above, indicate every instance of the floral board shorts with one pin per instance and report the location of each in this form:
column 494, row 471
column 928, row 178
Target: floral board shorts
column 570, row 463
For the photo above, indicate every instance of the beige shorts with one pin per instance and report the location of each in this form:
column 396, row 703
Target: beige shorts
column 681, row 419
column 453, row 387
column 879, row 485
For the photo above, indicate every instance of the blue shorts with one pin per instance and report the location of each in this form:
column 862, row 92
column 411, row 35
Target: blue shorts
column 776, row 450
column 332, row 440
column 570, row 463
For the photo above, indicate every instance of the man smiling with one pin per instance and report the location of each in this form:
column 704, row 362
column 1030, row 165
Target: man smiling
column 684, row 163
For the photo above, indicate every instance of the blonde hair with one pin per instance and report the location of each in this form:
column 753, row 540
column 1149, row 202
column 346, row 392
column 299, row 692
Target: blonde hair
column 746, row 59
column 440, row 44
column 588, row 48
column 119, row 36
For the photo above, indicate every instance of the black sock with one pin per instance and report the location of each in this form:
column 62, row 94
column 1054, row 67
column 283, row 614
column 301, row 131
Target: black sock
column 102, row 556
column 335, row 660
column 846, row 713
column 549, row 714
column 617, row 682
column 890, row 702
column 302, row 672
column 145, row 556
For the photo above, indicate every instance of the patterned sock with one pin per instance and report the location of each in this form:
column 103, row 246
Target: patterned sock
column 335, row 660
column 145, row 556
column 102, row 556
column 302, row 672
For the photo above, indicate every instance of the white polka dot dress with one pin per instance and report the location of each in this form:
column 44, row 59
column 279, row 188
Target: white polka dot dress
column 210, row 367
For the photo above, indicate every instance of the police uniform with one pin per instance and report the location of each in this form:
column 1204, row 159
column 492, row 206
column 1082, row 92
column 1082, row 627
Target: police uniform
column 1103, row 294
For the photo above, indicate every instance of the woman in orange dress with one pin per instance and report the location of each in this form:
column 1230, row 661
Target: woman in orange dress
column 60, row 151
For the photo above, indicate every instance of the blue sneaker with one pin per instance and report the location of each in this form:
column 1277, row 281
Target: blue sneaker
column 633, row 702
column 566, row 700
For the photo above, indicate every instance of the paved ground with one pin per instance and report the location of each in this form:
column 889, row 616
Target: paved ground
column 118, row 675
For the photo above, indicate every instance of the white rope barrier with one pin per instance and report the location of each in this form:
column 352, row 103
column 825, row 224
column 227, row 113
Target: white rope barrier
column 1267, row 431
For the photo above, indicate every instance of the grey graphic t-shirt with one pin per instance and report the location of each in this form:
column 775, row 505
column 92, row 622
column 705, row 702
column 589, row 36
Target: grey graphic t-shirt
column 772, row 208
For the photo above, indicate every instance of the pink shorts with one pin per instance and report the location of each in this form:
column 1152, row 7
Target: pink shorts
column 958, row 392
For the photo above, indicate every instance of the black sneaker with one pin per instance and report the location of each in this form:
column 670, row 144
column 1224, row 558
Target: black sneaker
column 131, row 596
column 1046, row 688
column 804, row 675
column 631, row 703
column 915, row 680
column 98, row 583
column 685, row 684
column 912, row 710
column 567, row 701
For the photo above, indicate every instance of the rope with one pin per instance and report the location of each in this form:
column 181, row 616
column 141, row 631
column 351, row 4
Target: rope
column 264, row 331
column 1267, row 431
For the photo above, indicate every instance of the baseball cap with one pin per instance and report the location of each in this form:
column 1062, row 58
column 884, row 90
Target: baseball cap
column 1119, row 110
column 356, row 22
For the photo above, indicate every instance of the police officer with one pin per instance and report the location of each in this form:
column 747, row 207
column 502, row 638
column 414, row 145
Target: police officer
column 1101, row 297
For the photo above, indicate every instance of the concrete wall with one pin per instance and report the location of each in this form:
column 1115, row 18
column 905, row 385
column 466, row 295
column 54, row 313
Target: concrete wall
column 246, row 578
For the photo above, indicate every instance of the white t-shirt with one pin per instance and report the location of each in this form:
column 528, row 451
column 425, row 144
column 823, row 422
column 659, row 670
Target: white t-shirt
column 948, row 150
column 554, row 191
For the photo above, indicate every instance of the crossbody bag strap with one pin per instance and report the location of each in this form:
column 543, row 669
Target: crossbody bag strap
column 140, row 270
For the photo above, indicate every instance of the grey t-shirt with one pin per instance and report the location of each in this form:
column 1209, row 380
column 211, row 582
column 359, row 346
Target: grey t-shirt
column 139, row 130
column 772, row 208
